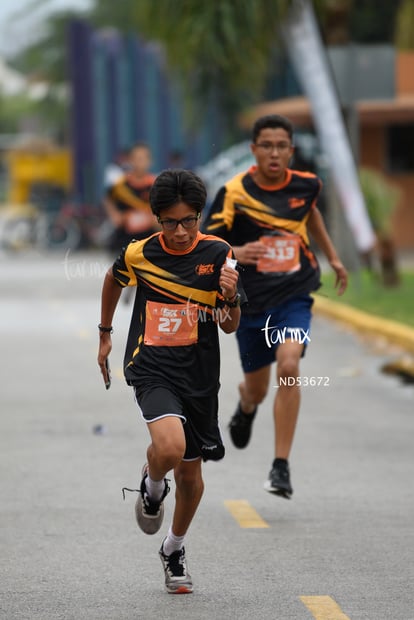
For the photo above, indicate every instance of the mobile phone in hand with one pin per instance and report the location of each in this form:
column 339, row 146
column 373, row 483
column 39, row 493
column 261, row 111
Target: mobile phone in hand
column 108, row 372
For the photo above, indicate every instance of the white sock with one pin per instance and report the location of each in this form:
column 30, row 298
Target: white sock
column 172, row 543
column 155, row 488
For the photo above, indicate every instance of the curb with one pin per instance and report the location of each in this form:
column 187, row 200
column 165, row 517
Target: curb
column 394, row 332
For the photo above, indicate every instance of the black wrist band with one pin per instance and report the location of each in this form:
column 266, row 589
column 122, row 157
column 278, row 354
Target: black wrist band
column 235, row 303
column 108, row 330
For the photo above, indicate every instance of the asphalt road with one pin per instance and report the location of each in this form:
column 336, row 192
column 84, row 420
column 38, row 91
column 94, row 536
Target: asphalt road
column 342, row 548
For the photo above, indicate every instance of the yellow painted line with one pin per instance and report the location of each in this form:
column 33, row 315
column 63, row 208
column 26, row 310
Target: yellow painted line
column 397, row 333
column 245, row 515
column 323, row 608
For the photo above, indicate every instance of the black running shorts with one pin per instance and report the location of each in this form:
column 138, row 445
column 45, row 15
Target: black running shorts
column 199, row 417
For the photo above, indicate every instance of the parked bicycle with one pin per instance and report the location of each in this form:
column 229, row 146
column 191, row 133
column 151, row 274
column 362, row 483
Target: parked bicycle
column 53, row 222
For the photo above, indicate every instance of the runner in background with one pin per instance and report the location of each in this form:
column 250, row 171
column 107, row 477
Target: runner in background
column 266, row 214
column 116, row 169
column 127, row 200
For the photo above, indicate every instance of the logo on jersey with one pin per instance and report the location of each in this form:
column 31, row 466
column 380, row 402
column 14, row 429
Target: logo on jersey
column 204, row 270
column 294, row 203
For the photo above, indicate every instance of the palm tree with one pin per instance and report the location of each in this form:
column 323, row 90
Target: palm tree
column 217, row 51
column 221, row 49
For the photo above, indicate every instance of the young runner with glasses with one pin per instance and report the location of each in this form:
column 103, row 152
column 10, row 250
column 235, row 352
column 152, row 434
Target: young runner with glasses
column 266, row 214
column 185, row 290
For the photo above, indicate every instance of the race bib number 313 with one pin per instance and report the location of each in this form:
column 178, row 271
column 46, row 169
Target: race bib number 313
column 283, row 255
column 170, row 325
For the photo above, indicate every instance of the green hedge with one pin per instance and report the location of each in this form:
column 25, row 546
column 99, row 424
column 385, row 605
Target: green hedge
column 366, row 292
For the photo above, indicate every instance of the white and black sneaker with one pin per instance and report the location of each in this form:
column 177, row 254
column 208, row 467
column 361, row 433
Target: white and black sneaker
column 149, row 513
column 177, row 578
column 278, row 482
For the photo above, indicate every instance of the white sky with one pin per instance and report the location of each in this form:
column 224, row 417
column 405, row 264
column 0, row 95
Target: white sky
column 14, row 33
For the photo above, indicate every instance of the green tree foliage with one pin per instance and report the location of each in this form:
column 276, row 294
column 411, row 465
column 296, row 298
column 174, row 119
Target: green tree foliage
column 230, row 40
column 369, row 23
column 359, row 21
column 120, row 15
column 404, row 26
column 381, row 199
column 46, row 61
column 221, row 50
column 12, row 109
column 218, row 51
column 46, row 58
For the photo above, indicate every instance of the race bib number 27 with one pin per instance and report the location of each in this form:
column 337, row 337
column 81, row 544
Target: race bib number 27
column 170, row 325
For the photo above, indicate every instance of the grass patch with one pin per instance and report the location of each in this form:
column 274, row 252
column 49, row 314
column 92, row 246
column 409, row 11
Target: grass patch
column 366, row 292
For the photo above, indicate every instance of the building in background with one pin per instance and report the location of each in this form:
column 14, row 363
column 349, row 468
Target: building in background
column 380, row 110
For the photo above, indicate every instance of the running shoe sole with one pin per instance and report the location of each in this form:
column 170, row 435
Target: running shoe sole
column 175, row 585
column 277, row 490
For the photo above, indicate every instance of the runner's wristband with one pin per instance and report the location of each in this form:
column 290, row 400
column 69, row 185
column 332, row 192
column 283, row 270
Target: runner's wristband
column 103, row 329
column 235, row 302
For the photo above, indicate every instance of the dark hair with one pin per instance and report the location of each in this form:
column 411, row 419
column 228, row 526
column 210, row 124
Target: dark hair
column 272, row 121
column 177, row 185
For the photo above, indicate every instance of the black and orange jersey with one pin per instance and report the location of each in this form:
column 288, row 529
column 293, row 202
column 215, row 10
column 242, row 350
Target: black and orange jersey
column 243, row 212
column 173, row 335
column 131, row 197
column 131, row 193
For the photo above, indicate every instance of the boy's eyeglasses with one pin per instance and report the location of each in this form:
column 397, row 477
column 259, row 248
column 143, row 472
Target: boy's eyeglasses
column 269, row 147
column 186, row 222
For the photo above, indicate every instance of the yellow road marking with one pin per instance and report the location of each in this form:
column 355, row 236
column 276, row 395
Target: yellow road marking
column 323, row 608
column 245, row 515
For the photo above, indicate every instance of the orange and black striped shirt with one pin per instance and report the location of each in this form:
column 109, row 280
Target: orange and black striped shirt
column 173, row 335
column 243, row 212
